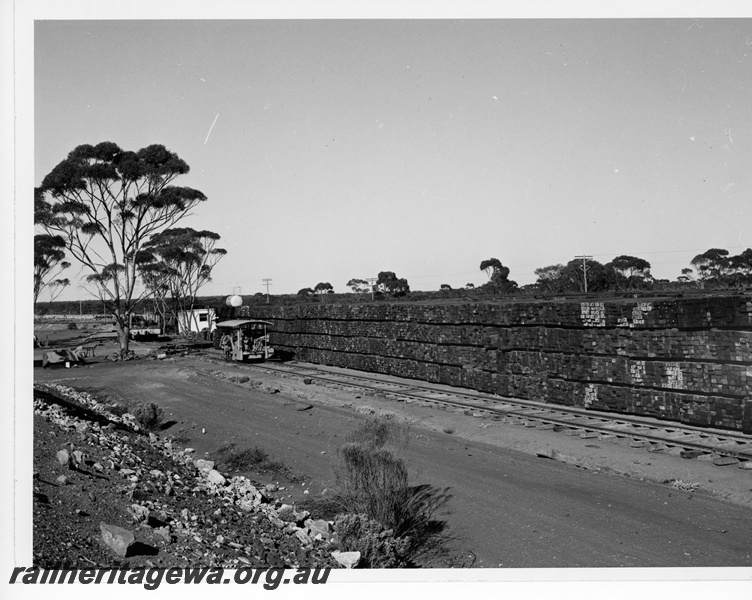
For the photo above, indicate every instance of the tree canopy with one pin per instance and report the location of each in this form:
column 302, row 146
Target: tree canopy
column 358, row 286
column 323, row 288
column 630, row 272
column 105, row 202
column 177, row 262
column 494, row 268
column 49, row 263
column 716, row 268
column 498, row 276
column 388, row 282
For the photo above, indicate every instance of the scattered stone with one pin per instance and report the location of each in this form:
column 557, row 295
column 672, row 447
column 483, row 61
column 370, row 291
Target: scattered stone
column 317, row 527
column 189, row 450
column 587, row 435
column 547, row 453
column 276, row 521
column 62, row 480
column 139, row 513
column 725, row 460
column 747, row 465
column 216, row 477
column 639, row 443
column 63, row 458
column 347, row 559
column 303, row 536
column 203, row 464
column 118, row 539
column 307, row 380
column 78, row 457
column 97, row 467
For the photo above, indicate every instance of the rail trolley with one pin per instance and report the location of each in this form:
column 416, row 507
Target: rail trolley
column 244, row 340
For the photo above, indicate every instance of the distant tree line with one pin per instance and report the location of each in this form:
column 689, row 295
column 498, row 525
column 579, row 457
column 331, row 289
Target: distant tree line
column 714, row 269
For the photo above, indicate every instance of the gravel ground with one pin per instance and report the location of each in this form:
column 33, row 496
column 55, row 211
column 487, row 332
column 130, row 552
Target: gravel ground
column 93, row 469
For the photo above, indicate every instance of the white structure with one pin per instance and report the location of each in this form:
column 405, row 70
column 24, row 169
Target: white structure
column 197, row 320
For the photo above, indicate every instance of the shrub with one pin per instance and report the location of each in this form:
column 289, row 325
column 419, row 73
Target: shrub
column 148, row 415
column 72, row 325
column 377, row 432
column 240, row 460
column 373, row 481
column 378, row 547
column 326, row 507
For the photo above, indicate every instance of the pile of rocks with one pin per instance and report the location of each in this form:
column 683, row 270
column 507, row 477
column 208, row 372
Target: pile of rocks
column 108, row 494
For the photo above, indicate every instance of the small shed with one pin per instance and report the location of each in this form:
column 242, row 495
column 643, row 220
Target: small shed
column 197, row 320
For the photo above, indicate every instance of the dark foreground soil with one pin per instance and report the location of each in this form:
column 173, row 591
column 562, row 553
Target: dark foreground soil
column 130, row 479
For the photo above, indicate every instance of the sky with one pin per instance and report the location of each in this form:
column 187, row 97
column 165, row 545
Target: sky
column 335, row 149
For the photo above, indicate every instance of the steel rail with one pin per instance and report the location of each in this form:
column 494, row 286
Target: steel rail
column 674, row 435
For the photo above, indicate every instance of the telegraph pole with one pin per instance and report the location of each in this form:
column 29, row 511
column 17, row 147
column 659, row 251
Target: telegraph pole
column 584, row 268
column 267, row 283
column 372, row 281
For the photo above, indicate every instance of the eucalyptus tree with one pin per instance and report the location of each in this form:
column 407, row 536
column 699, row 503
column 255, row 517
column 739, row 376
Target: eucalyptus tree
column 177, row 263
column 105, row 202
column 388, row 281
column 359, row 286
column 631, row 271
column 49, row 263
column 498, row 276
column 494, row 269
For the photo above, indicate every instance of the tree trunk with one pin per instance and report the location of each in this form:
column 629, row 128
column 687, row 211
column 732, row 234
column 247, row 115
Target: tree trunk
column 124, row 333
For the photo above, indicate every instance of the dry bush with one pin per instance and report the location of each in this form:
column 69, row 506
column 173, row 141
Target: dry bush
column 373, row 481
column 241, row 460
column 378, row 547
column 148, row 415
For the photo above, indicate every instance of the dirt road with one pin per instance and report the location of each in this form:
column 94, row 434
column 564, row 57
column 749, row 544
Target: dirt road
column 509, row 509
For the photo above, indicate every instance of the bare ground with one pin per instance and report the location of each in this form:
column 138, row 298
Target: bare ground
column 603, row 504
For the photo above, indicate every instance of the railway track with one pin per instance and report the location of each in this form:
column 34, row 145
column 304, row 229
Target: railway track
column 651, row 434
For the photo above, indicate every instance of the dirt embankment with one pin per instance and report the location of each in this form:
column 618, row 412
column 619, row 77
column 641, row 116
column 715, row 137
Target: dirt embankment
column 108, row 495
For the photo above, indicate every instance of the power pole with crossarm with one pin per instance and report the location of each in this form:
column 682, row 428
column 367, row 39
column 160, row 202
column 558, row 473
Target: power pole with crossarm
column 267, row 283
column 584, row 268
